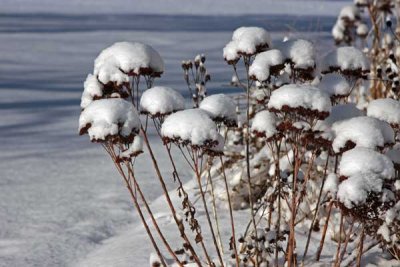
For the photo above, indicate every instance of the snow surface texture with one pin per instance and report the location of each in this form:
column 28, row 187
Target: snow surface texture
column 265, row 122
column 161, row 100
column 295, row 96
column 191, row 125
column 246, row 41
column 175, row 7
column 385, row 109
column 363, row 132
column 362, row 159
column 334, row 84
column 117, row 62
column 220, row 107
column 260, row 68
column 92, row 89
column 345, row 59
column 300, row 52
column 102, row 119
column 339, row 113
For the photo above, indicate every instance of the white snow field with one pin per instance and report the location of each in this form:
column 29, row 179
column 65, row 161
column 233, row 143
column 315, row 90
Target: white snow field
column 62, row 202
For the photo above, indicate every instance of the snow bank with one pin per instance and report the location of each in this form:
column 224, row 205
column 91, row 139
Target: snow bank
column 334, row 84
column 261, row 67
column 386, row 109
column 192, row 126
column 264, row 123
column 160, row 100
column 345, row 59
column 246, row 41
column 117, row 62
column 92, row 89
column 300, row 52
column 300, row 96
column 363, row 159
column 363, row 132
column 109, row 118
column 354, row 191
column 221, row 108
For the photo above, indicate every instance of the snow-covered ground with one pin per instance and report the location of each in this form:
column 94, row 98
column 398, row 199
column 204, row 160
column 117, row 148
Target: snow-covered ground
column 60, row 197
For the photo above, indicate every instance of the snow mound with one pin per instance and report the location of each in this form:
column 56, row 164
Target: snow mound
column 345, row 59
column 338, row 113
column 299, row 52
column 265, row 64
column 246, row 41
column 109, row 119
column 264, row 123
column 221, row 108
column 362, row 132
column 191, row 126
column 160, row 101
column 123, row 59
column 354, row 191
column 92, row 90
column 385, row 109
column 303, row 97
column 361, row 159
column 334, row 84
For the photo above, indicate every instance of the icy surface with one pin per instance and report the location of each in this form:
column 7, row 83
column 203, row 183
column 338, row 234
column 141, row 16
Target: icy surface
column 220, row 106
column 161, row 100
column 116, row 62
column 334, row 84
column 192, row 125
column 386, row 109
column 362, row 159
column 265, row 122
column 260, row 68
column 363, row 132
column 300, row 52
column 354, row 191
column 92, row 88
column 305, row 96
column 248, row 41
column 109, row 117
column 345, row 58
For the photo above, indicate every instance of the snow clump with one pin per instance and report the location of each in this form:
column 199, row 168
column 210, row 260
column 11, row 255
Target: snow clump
column 345, row 59
column 264, row 124
column 363, row 159
column 221, row 108
column 385, row 109
column 92, row 90
column 190, row 126
column 335, row 85
column 300, row 98
column 110, row 119
column 265, row 64
column 246, row 41
column 160, row 101
column 362, row 132
column 298, row 52
column 123, row 59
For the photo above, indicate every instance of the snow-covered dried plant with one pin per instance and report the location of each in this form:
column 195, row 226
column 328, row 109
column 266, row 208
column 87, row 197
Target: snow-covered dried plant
column 304, row 148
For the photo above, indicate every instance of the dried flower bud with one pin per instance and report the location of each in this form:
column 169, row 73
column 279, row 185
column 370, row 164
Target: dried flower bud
column 203, row 58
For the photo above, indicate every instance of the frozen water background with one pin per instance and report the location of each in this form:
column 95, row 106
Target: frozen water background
column 60, row 197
